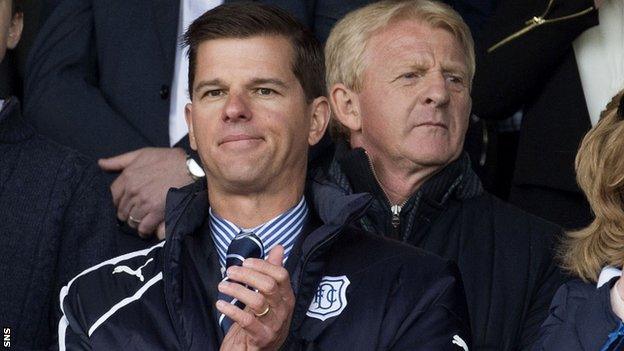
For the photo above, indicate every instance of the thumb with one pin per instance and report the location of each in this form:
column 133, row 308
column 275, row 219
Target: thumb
column 276, row 256
column 119, row 162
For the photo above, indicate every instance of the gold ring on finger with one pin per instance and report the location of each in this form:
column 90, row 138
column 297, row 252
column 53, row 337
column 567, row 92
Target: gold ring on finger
column 264, row 313
column 134, row 220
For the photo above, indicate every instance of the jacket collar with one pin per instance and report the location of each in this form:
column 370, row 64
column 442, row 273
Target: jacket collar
column 457, row 179
column 187, row 207
column 13, row 129
column 597, row 316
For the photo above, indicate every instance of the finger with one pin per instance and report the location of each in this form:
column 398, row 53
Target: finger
column 255, row 279
column 117, row 189
column 148, row 225
column 119, row 162
column 250, row 298
column 137, row 217
column 276, row 256
column 160, row 231
column 272, row 266
column 126, row 207
column 244, row 318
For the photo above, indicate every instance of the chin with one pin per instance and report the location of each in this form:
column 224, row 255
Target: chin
column 433, row 158
column 242, row 175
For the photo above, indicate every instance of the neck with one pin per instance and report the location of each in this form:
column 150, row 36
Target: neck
column 397, row 180
column 254, row 209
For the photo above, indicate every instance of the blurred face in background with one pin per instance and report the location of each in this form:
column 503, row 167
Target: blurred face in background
column 10, row 27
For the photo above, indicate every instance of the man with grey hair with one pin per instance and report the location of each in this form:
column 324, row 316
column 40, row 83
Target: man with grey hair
column 399, row 79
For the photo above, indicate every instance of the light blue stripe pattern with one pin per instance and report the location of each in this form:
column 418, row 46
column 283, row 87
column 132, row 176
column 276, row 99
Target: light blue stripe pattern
column 281, row 230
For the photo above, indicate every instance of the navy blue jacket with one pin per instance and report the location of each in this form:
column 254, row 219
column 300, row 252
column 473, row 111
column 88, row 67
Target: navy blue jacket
column 56, row 219
column 503, row 253
column 581, row 319
column 398, row 297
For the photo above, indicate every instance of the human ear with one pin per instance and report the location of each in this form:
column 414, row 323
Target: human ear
column 188, row 115
column 15, row 30
column 319, row 119
column 345, row 107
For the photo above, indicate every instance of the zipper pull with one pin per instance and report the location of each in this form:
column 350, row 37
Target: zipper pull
column 396, row 211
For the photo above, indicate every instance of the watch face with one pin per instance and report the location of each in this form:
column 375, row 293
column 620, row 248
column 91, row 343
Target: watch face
column 194, row 168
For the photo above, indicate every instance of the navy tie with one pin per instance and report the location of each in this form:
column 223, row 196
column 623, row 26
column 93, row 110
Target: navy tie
column 244, row 245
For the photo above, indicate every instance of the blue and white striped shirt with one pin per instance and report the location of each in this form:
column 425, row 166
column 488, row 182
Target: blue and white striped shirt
column 281, row 230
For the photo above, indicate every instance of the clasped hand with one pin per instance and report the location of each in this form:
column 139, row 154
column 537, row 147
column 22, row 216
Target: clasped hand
column 265, row 322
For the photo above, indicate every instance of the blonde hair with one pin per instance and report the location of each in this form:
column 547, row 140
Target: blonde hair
column 346, row 45
column 600, row 174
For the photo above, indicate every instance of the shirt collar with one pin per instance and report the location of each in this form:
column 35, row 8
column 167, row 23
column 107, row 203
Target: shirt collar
column 606, row 274
column 281, row 230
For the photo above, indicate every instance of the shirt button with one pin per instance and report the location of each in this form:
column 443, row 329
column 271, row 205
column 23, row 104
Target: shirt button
column 164, row 92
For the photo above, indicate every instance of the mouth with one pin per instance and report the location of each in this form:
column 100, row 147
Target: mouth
column 432, row 124
column 239, row 138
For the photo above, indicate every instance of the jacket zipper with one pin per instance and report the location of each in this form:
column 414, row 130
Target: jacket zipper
column 395, row 209
column 537, row 21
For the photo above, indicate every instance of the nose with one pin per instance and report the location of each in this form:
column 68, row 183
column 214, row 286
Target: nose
column 436, row 91
column 236, row 108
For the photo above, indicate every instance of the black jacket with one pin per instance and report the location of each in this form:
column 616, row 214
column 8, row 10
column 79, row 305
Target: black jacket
column 537, row 72
column 398, row 297
column 581, row 319
column 56, row 219
column 504, row 254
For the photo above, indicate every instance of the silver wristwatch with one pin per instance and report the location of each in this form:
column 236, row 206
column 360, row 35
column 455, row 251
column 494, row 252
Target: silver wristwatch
column 194, row 169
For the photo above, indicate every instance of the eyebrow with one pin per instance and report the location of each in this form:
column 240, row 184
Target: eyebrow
column 261, row 81
column 454, row 67
column 204, row 83
column 256, row 81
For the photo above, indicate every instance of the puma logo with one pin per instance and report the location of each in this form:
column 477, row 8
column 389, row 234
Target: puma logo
column 135, row 272
column 460, row 342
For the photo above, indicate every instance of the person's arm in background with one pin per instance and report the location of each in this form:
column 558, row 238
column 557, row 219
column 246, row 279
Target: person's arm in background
column 141, row 188
column 515, row 70
column 61, row 86
column 64, row 99
column 549, row 281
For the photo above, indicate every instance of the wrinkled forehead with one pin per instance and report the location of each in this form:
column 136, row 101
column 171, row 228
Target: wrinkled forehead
column 411, row 41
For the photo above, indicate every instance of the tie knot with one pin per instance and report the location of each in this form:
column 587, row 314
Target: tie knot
column 244, row 245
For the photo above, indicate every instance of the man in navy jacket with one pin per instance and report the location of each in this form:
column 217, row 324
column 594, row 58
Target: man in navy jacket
column 400, row 92
column 256, row 82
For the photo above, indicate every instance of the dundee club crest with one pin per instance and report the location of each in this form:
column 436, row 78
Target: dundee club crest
column 330, row 298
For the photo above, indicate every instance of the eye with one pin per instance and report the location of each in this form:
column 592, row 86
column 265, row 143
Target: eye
column 411, row 75
column 265, row 91
column 214, row 93
column 455, row 79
